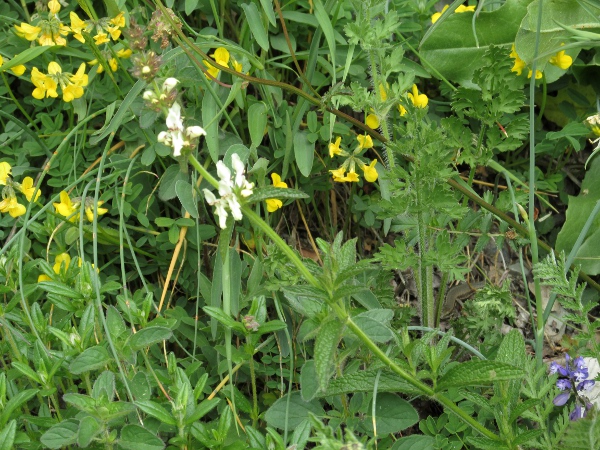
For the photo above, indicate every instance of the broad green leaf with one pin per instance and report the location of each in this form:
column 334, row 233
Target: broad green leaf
column 392, row 414
column 19, row 399
column 187, row 196
column 363, row 381
column 61, row 435
column 167, row 189
column 452, row 49
column 267, row 6
column 257, row 122
column 478, row 373
column 202, row 409
column 579, row 209
column 225, row 319
column 157, row 411
column 376, row 329
column 88, row 429
column 135, row 437
column 80, row 401
column 256, row 25
column 148, row 336
column 7, row 435
column 326, row 345
column 278, row 414
column 325, row 24
column 114, row 322
column 190, row 6
column 92, row 358
column 275, row 192
column 56, row 288
column 367, row 299
column 309, row 384
column 271, row 327
column 122, row 112
column 24, row 57
column 414, row 442
column 304, row 151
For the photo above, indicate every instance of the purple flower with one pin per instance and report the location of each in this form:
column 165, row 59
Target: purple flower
column 580, row 412
column 561, row 399
column 580, row 374
column 579, row 362
column 573, row 373
column 563, row 384
column 585, row 385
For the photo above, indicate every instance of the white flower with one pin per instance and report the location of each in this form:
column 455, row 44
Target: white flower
column 195, row 131
column 174, row 119
column 149, row 96
column 164, row 137
column 177, row 142
column 169, row 84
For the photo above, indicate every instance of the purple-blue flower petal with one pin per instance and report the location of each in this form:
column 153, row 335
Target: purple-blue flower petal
column 563, row 384
column 561, row 399
column 579, row 362
column 585, row 385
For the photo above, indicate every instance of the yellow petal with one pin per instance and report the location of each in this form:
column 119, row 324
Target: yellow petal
column 364, row 141
column 372, row 121
column 370, row 172
column 273, row 204
column 5, row 171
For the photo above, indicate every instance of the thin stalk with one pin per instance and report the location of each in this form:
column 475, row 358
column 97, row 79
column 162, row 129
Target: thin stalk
column 254, row 392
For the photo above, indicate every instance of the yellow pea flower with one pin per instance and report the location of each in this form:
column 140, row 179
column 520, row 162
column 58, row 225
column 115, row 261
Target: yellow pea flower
column 28, row 188
column 101, row 38
column 561, row 60
column 274, row 204
column 538, row 74
column 212, row 70
column 53, row 6
column 221, row 56
column 12, row 206
column 401, row 110
column 77, row 26
column 351, row 177
column 89, row 212
column 338, row 174
column 365, row 141
column 372, row 121
column 334, row 148
column 17, row 70
column 59, row 260
column 27, row 31
column 5, row 172
column 418, row 100
column 435, row 17
column 370, row 172
column 66, row 208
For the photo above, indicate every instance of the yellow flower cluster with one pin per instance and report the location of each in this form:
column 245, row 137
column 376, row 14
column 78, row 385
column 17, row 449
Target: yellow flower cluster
column 460, row 9
column 222, row 57
column 347, row 171
column 273, row 204
column 560, row 60
column 48, row 31
column 17, row 70
column 70, row 207
column 418, row 101
column 103, row 28
column 46, row 85
column 9, row 203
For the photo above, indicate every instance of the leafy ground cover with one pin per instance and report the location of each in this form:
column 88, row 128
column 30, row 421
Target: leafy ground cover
column 333, row 224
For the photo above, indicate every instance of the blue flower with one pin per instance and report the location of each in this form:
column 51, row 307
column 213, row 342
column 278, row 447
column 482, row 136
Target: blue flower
column 573, row 374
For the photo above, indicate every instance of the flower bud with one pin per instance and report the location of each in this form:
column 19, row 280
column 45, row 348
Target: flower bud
column 149, row 96
column 164, row 137
column 169, row 84
column 195, row 131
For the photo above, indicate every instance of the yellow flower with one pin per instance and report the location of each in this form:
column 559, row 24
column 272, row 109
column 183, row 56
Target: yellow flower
column 221, row 56
column 12, row 206
column 401, row 109
column 538, row 74
column 561, row 60
column 77, row 27
column 124, row 53
column 118, row 20
column 419, row 100
column 17, row 70
column 53, row 6
column 351, row 177
column 437, row 15
column 66, row 208
column 334, row 149
column 53, row 32
column 370, row 172
column 28, row 188
column 372, row 121
column 5, row 172
column 71, row 84
column 89, row 212
column 27, row 31
column 44, row 277
column 364, row 141
column 518, row 66
column 338, row 174
column 59, row 260
column 80, row 78
column 101, row 38
column 274, row 204
column 238, row 67
column 212, row 70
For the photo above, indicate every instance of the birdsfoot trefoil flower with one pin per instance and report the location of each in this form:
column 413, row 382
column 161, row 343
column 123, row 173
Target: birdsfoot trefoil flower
column 231, row 190
column 9, row 203
column 352, row 160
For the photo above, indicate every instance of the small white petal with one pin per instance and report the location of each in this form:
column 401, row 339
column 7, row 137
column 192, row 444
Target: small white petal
column 174, row 121
column 236, row 209
column 177, row 137
column 195, row 131
column 169, row 84
column 223, row 172
column 222, row 213
column 149, row 96
column 164, row 137
column 209, row 197
column 225, row 188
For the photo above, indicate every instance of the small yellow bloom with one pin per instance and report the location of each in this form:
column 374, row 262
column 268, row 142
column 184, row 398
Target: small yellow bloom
column 221, row 56
column 561, row 60
column 65, row 207
column 5, row 172
column 418, row 100
column 463, row 8
column 334, row 149
column 338, row 174
column 59, row 260
column 101, row 38
column 28, row 188
column 44, row 277
column 237, row 66
column 80, row 78
column 274, row 204
column 364, row 141
column 12, row 206
column 77, row 27
column 401, row 109
column 351, row 177
column 17, row 70
column 124, row 53
column 27, row 31
column 212, row 70
column 437, row 15
column 114, row 32
column 538, row 74
column 372, row 121
column 89, row 212
column 518, row 66
column 118, row 20
column 53, row 6
column 370, row 172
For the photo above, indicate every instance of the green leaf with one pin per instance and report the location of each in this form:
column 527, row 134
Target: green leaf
column 364, row 380
column 157, row 411
column 309, row 384
column 19, row 399
column 202, row 409
column 477, row 373
column 257, row 122
column 135, row 437
column 167, row 189
column 414, row 442
column 583, row 434
column 256, row 26
column 88, row 428
column 326, row 345
column 379, row 332
column 210, row 123
column 278, row 415
column 271, row 327
column 92, row 358
column 452, row 49
column 119, row 117
column 7, row 435
column 148, row 336
column 187, row 196
column 511, row 351
column 225, row 319
column 325, row 24
column 267, row 6
column 61, row 434
column 24, row 57
column 80, row 401
column 27, row 371
column 275, row 192
column 190, row 6
column 304, row 152
column 56, row 288
column 392, row 415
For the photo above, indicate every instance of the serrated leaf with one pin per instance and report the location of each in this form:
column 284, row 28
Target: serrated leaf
column 278, row 415
column 326, row 345
column 135, row 437
column 478, row 373
column 364, row 380
column 377, row 331
column 157, row 411
column 148, row 336
column 61, row 435
column 392, row 414
column 92, row 358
